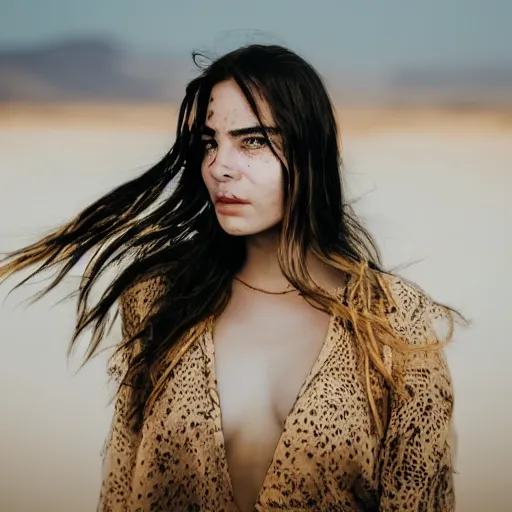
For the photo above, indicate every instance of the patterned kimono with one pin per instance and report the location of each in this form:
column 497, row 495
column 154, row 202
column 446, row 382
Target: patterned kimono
column 328, row 458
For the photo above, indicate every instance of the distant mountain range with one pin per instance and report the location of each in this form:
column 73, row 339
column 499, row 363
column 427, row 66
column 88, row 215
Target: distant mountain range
column 88, row 70
column 99, row 70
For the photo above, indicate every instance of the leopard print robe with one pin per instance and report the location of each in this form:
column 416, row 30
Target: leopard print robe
column 329, row 457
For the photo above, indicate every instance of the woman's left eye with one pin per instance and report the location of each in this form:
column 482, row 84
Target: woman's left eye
column 255, row 142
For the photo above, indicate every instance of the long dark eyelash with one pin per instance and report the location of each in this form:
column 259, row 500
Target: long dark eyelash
column 261, row 140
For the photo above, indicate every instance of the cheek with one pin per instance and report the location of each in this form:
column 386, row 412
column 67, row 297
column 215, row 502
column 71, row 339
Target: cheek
column 266, row 177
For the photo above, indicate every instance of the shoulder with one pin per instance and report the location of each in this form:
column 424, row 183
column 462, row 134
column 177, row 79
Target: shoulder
column 135, row 305
column 415, row 315
column 420, row 321
column 139, row 300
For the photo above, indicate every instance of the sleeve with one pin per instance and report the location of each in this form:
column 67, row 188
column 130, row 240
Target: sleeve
column 416, row 463
column 120, row 449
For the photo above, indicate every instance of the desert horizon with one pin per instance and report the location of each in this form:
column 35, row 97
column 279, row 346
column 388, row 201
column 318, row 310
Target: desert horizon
column 353, row 120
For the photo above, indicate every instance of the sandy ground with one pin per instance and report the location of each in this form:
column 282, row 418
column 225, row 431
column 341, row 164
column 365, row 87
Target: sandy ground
column 435, row 195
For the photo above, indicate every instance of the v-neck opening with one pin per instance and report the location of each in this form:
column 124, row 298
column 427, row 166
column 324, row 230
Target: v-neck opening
column 321, row 357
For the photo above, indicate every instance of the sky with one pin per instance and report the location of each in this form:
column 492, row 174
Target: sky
column 365, row 34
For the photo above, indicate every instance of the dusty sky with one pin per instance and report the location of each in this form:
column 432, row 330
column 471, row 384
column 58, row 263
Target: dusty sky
column 363, row 35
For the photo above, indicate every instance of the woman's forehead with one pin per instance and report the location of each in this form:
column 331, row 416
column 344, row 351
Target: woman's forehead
column 229, row 109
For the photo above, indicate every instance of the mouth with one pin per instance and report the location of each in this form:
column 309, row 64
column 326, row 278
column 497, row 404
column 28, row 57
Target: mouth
column 230, row 200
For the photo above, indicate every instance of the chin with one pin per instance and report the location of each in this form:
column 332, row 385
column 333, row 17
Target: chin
column 237, row 226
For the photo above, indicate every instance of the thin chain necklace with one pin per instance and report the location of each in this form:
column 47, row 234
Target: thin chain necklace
column 263, row 291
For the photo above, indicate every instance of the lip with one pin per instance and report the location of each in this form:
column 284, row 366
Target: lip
column 230, row 200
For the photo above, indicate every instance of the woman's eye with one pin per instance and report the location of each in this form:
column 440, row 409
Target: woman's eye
column 208, row 144
column 255, row 142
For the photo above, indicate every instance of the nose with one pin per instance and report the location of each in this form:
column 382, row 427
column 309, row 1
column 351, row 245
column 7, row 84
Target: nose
column 223, row 163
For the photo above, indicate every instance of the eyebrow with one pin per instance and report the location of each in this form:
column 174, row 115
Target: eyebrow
column 240, row 132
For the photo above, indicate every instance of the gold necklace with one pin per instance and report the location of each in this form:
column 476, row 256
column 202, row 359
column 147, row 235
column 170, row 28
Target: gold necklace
column 263, row 291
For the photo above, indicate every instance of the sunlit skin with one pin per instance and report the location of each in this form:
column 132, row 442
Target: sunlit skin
column 239, row 165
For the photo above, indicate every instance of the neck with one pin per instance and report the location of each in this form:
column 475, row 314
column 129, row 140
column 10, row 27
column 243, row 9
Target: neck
column 261, row 267
column 262, row 270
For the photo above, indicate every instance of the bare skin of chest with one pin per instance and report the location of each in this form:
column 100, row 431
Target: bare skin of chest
column 264, row 351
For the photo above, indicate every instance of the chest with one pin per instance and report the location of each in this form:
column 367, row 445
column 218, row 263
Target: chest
column 261, row 364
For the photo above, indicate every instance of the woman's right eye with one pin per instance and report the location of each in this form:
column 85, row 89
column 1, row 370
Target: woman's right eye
column 209, row 144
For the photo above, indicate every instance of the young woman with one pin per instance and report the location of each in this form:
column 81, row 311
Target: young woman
column 268, row 361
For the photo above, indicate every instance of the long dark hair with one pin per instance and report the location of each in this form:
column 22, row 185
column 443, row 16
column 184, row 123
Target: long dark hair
column 147, row 233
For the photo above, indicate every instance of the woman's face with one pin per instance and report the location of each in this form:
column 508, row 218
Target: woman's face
column 243, row 176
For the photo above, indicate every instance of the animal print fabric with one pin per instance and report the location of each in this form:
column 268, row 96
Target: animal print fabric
column 329, row 456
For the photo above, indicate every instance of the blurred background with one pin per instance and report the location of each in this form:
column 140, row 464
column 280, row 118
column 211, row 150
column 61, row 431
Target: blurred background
column 88, row 99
